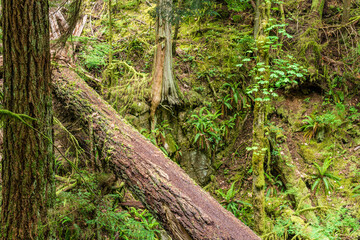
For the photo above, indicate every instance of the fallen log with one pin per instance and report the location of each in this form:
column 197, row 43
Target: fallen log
column 184, row 209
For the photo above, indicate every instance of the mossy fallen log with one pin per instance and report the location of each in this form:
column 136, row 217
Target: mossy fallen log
column 184, row 209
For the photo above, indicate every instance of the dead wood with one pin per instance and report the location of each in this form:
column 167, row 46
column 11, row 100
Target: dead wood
column 80, row 26
column 184, row 209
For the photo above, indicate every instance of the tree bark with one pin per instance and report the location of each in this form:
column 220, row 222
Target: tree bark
column 179, row 7
column 317, row 7
column 184, row 209
column 164, row 87
column 28, row 161
column 346, row 11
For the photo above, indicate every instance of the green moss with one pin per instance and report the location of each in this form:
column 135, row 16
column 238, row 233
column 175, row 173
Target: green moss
column 138, row 108
column 170, row 144
column 237, row 18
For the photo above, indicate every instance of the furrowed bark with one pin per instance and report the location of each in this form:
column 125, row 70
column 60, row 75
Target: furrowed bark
column 164, row 86
column 184, row 209
column 27, row 172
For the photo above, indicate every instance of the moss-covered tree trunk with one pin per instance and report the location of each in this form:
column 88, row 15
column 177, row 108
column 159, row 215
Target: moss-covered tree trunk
column 184, row 209
column 27, row 165
column 309, row 40
column 260, row 142
column 346, row 11
column 291, row 177
column 163, row 82
column 317, row 7
column 177, row 26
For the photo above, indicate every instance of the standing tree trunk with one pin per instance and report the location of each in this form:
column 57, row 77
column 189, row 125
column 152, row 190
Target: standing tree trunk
column 260, row 142
column 177, row 26
column 28, row 161
column 346, row 11
column 317, row 7
column 164, row 87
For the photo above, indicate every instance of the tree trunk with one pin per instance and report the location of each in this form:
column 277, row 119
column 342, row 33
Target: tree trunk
column 291, row 177
column 346, row 11
column 260, row 143
column 184, row 209
column 177, row 27
column 28, row 161
column 163, row 88
column 317, row 7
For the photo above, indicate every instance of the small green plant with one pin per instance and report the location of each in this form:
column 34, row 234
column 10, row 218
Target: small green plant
column 324, row 177
column 236, row 207
column 284, row 73
column 236, row 99
column 94, row 53
column 148, row 220
column 208, row 132
column 238, row 5
column 158, row 135
column 315, row 126
column 279, row 72
column 228, row 197
column 356, row 191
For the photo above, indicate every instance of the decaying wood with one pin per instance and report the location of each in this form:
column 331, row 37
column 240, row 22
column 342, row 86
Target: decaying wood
column 80, row 26
column 58, row 24
column 184, row 209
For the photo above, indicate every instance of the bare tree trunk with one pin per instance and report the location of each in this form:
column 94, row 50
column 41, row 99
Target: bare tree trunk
column 184, row 209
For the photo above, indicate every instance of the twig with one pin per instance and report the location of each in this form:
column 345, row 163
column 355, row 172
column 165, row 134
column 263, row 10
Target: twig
column 148, row 3
column 66, row 188
column 311, row 209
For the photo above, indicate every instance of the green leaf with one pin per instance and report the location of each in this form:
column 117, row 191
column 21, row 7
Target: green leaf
column 315, row 183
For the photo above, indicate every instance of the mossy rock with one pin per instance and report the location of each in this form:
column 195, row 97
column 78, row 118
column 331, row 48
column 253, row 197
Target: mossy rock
column 133, row 120
column 193, row 98
column 139, row 108
column 170, row 144
column 198, row 166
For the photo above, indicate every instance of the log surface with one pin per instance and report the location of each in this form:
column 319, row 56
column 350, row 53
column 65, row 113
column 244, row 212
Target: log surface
column 184, row 209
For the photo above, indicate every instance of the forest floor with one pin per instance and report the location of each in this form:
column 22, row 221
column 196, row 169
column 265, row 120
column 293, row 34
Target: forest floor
column 314, row 122
column 317, row 119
